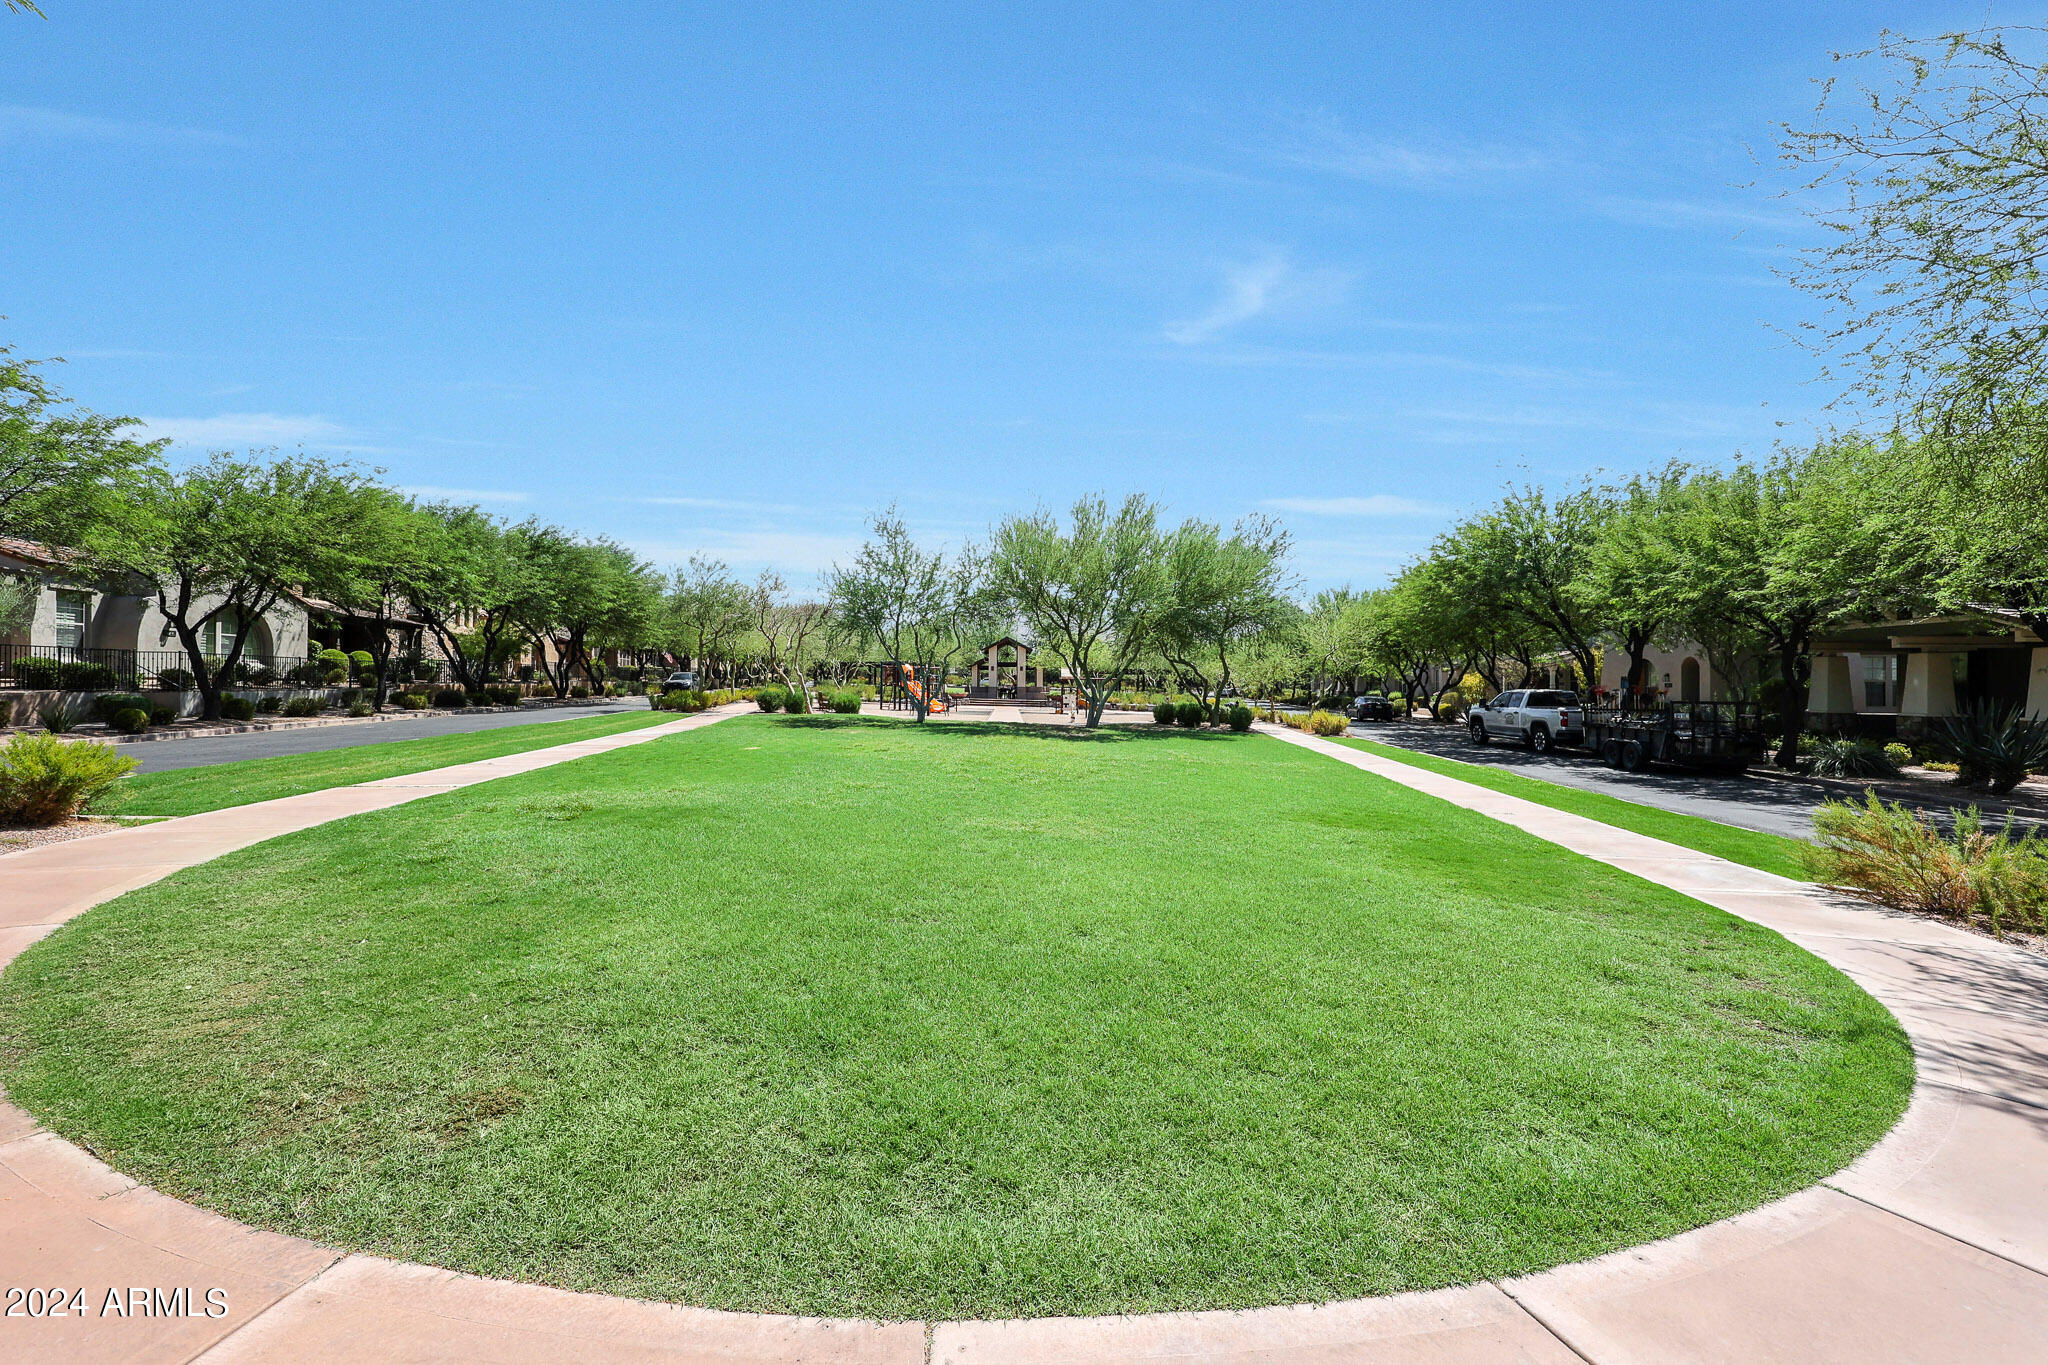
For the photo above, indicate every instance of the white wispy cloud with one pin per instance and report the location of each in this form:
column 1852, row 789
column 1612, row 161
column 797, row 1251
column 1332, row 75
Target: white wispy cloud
column 1323, row 142
column 1372, row 505
column 435, row 493
column 1685, row 213
column 1270, row 284
column 20, row 122
column 790, row 552
column 717, row 504
column 248, row 428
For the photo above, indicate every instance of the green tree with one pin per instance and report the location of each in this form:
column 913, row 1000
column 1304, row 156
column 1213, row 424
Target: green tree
column 1931, row 166
column 67, row 475
column 1225, row 592
column 1096, row 593
column 1533, row 556
column 921, row 607
column 231, row 538
column 705, row 613
column 382, row 559
column 467, row 584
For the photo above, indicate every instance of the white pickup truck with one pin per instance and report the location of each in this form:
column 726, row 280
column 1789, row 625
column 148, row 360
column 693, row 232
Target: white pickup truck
column 1541, row 719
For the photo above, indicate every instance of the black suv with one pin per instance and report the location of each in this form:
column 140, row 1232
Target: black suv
column 1371, row 706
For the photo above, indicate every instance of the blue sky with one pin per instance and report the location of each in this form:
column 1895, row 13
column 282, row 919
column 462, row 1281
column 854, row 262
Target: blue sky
column 726, row 278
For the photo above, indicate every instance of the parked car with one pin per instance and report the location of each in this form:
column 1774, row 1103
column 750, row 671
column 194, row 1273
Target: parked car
column 1371, row 706
column 682, row 678
column 1541, row 719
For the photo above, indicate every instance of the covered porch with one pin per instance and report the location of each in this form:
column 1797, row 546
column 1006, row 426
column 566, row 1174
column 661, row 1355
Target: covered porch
column 1898, row 677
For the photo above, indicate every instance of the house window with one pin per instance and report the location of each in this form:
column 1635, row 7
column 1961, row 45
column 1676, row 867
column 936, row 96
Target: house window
column 1880, row 681
column 72, row 608
column 219, row 634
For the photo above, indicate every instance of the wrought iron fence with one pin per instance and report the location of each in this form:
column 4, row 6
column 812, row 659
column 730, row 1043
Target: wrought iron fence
column 74, row 669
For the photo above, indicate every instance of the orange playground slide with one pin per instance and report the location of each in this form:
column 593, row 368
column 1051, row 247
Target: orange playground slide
column 916, row 689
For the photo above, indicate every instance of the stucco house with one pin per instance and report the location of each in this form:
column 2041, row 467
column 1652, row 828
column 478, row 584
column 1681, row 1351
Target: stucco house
column 84, row 618
column 1897, row 676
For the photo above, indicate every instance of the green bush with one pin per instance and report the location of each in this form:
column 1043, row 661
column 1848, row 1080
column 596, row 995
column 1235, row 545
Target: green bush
column 269, row 706
column 501, row 696
column 844, row 702
column 1851, row 758
column 107, row 705
column 163, row 715
column 1992, row 747
column 1897, row 857
column 1165, row 712
column 331, row 658
column 451, row 699
column 1189, row 714
column 579, row 690
column 1326, row 723
column 1240, row 717
column 237, row 708
column 1901, row 755
column 359, row 709
column 37, row 674
column 302, row 706
column 364, row 662
column 769, row 698
column 44, row 780
column 413, row 701
column 80, row 676
column 1448, row 705
column 795, row 702
column 132, row 721
column 175, row 679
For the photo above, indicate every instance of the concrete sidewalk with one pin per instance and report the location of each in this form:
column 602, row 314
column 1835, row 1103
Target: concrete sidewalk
column 1933, row 1246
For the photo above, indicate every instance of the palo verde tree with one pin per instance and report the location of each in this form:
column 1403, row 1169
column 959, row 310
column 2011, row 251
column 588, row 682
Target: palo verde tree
column 1225, row 592
column 921, row 607
column 1095, row 592
column 790, row 629
column 385, row 556
column 66, row 474
column 705, row 613
column 1535, row 552
column 228, row 539
column 468, row 584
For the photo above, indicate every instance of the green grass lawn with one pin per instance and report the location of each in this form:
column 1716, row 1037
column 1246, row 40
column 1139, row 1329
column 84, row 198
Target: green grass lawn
column 187, row 791
column 844, row 1016
column 1751, row 848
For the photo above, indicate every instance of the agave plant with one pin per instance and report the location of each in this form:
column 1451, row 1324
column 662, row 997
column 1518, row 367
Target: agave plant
column 1851, row 758
column 1992, row 747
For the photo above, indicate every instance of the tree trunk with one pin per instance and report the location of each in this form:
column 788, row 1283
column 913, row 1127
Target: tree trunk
column 1791, row 705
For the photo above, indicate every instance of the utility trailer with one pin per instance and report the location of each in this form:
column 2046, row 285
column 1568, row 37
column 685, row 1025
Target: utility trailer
column 1715, row 736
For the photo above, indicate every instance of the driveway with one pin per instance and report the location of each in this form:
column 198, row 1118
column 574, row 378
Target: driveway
column 164, row 755
column 1769, row 804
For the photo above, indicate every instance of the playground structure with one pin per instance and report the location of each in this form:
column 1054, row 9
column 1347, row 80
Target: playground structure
column 898, row 688
column 1017, row 679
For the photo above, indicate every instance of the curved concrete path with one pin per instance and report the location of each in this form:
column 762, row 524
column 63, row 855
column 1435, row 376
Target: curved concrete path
column 1933, row 1247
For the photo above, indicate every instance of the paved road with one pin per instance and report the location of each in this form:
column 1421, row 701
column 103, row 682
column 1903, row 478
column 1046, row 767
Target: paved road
column 1767, row 804
column 164, row 755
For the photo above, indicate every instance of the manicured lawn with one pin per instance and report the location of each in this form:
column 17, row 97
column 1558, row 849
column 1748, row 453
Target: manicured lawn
column 187, row 791
column 855, row 1017
column 1751, row 848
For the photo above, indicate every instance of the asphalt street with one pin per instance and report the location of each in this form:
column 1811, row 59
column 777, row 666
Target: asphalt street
column 164, row 755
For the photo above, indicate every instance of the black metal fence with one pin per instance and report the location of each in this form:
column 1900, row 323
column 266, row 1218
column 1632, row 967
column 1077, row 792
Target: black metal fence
column 71, row 669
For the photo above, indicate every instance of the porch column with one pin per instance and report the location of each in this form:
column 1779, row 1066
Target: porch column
column 1929, row 690
column 1829, row 700
column 2037, row 684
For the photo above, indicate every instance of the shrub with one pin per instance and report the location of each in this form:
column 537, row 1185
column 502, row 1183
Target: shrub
column 1165, row 712
column 1851, row 758
column 451, row 698
column 845, row 702
column 1240, row 717
column 1447, row 706
column 1898, row 858
column 413, row 701
column 543, row 689
column 44, row 780
column 1900, row 755
column 1992, row 747
column 364, row 663
column 501, row 696
column 302, row 706
column 107, row 705
column 1326, row 723
column 175, row 679
column 269, row 706
column 132, row 721
column 331, row 659
column 163, row 715
column 769, row 699
column 37, row 673
column 359, row 709
column 1189, row 714
column 255, row 675
column 57, row 717
column 81, row 676
column 579, row 690
column 237, row 708
column 426, row 670
column 795, row 702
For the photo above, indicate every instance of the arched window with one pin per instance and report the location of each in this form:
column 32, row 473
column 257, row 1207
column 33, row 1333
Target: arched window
column 1689, row 680
column 219, row 634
